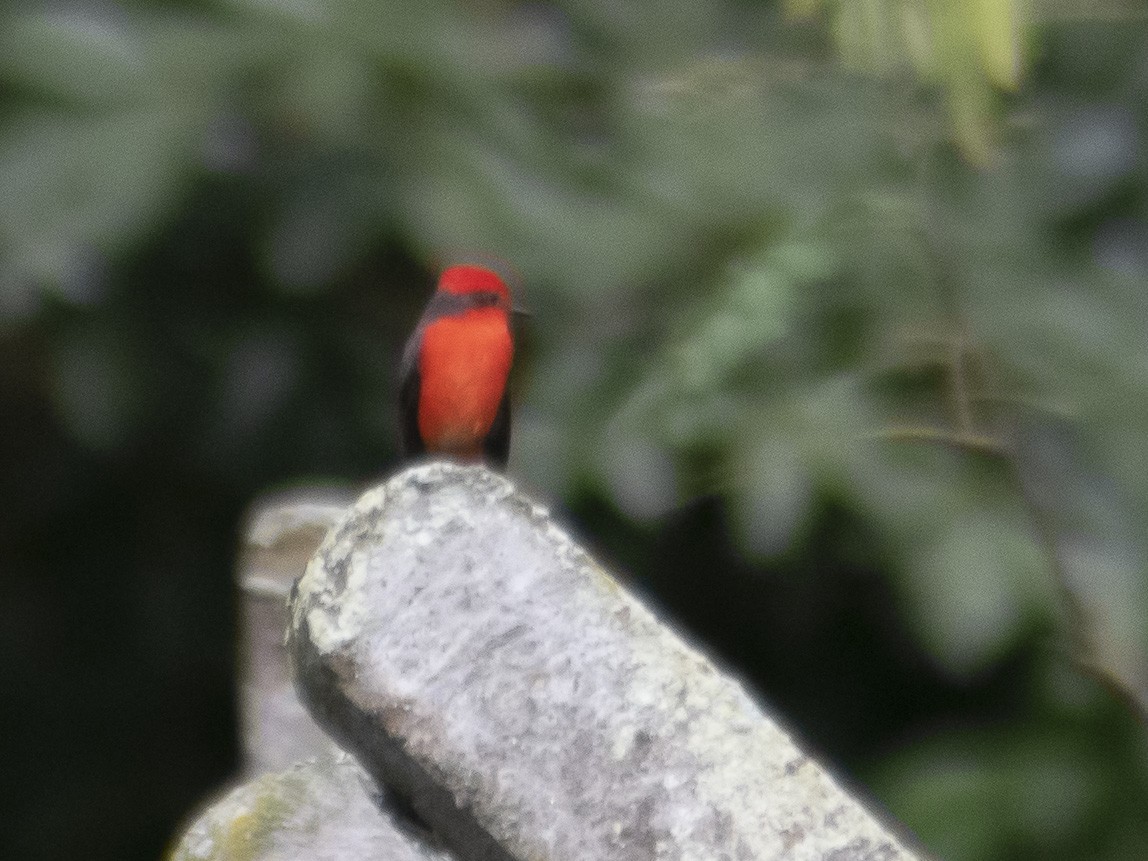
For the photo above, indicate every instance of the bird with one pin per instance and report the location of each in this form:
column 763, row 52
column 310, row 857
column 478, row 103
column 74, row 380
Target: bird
column 453, row 395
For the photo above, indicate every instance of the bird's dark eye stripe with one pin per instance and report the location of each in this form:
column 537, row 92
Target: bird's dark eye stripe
column 453, row 303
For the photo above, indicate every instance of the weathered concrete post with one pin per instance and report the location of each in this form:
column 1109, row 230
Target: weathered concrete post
column 303, row 799
column 486, row 670
column 280, row 537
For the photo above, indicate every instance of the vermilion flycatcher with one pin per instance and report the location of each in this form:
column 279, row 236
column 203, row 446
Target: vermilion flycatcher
column 454, row 398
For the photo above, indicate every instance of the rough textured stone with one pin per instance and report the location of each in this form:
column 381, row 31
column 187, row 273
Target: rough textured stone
column 526, row 707
column 319, row 810
column 322, row 808
column 281, row 535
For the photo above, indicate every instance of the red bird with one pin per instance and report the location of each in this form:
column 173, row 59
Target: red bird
column 454, row 399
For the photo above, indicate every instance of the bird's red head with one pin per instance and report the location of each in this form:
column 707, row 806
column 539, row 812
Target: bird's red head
column 469, row 281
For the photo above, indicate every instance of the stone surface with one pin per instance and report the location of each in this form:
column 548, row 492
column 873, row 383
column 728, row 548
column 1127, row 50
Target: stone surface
column 319, row 810
column 281, row 535
column 480, row 664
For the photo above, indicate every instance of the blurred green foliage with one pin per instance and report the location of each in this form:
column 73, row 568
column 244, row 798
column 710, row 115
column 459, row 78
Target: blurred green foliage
column 759, row 272
column 969, row 47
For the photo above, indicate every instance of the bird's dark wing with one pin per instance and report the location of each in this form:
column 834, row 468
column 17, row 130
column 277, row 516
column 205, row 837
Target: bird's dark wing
column 496, row 446
column 410, row 441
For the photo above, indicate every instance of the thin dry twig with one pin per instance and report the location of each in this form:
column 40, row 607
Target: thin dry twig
column 967, row 438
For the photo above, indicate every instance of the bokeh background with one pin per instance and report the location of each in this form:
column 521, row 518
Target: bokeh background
column 838, row 352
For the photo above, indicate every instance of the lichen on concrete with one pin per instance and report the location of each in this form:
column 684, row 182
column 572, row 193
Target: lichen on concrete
column 319, row 810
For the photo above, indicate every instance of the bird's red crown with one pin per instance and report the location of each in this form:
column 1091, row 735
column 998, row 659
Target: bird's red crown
column 462, row 280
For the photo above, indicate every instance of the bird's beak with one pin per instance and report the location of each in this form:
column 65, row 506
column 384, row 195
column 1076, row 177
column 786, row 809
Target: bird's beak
column 519, row 311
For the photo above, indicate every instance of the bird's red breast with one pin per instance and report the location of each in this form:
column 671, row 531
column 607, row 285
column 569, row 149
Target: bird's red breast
column 464, row 361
